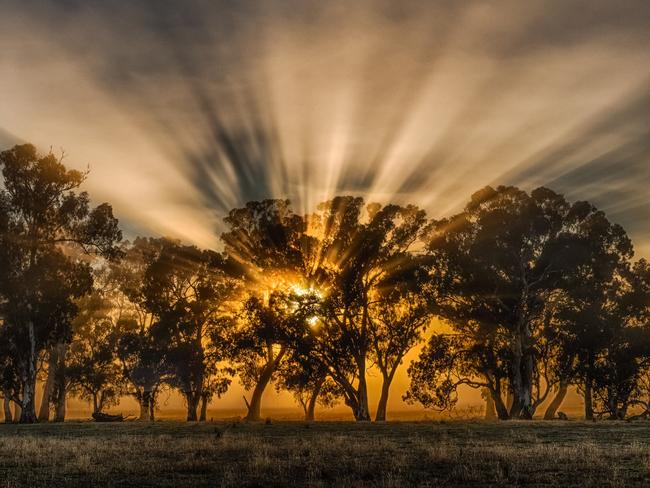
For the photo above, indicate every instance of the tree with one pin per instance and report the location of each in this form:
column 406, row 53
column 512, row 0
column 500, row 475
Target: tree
column 269, row 241
column 359, row 247
column 139, row 350
column 473, row 358
column 400, row 311
column 188, row 292
column 624, row 356
column 593, row 313
column 307, row 380
column 501, row 260
column 91, row 365
column 260, row 346
column 43, row 214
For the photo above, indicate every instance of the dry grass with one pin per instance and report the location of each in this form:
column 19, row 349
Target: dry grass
column 325, row 454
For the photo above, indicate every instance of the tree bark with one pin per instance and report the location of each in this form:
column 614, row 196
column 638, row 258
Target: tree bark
column 382, row 406
column 490, row 409
column 48, row 388
column 59, row 413
column 362, row 410
column 589, row 404
column 7, row 408
column 18, row 412
column 555, row 404
column 152, row 406
column 500, row 407
column 28, row 410
column 522, row 381
column 60, row 382
column 310, row 409
column 255, row 404
column 204, row 408
column 192, row 399
column 143, row 400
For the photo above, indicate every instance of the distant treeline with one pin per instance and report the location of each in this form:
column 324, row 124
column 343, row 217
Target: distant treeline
column 536, row 294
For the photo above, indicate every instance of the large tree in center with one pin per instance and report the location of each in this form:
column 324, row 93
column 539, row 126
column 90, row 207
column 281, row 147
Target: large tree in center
column 268, row 240
column 45, row 216
column 359, row 247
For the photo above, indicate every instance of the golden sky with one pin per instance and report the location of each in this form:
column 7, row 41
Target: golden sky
column 183, row 110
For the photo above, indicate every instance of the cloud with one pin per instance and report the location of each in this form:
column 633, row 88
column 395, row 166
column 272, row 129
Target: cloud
column 185, row 109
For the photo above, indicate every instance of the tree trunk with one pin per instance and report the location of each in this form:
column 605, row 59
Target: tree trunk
column 95, row 403
column 192, row 399
column 152, row 406
column 508, row 403
column 7, row 409
column 380, row 416
column 48, row 388
column 589, row 404
column 204, row 408
column 490, row 409
column 59, row 413
column 522, row 380
column 310, row 408
column 555, row 404
column 500, row 407
column 143, row 400
column 60, row 382
column 18, row 412
column 255, row 404
column 28, row 410
column 362, row 410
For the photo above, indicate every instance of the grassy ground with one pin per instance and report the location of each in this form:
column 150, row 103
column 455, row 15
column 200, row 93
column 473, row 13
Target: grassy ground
column 325, row 454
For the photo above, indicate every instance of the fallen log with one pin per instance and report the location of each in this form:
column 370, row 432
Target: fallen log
column 106, row 417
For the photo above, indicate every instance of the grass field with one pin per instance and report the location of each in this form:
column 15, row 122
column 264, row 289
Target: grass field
column 326, row 454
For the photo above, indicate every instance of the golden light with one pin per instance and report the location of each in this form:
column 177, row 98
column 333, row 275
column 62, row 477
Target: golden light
column 308, row 110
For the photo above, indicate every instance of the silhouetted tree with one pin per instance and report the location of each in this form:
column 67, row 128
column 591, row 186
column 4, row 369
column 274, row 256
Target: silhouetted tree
column 260, row 345
column 307, row 380
column 359, row 247
column 140, row 351
column 92, row 367
column 42, row 215
column 400, row 311
column 188, row 292
column 269, row 241
column 501, row 260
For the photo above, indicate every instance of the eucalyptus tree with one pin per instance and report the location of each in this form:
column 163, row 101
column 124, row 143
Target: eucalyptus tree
column 92, row 367
column 307, row 380
column 623, row 359
column 140, row 351
column 502, row 260
column 45, row 216
column 189, row 293
column 593, row 316
column 359, row 247
column 260, row 345
column 401, row 308
column 270, row 243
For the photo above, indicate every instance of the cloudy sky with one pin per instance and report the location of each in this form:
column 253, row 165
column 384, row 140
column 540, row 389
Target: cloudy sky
column 184, row 109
